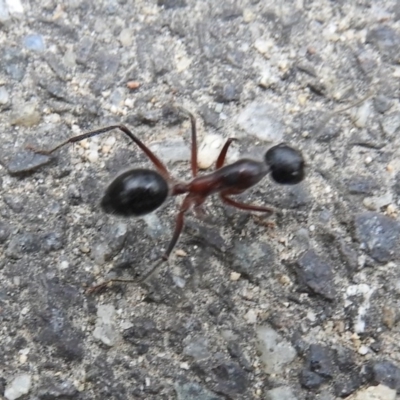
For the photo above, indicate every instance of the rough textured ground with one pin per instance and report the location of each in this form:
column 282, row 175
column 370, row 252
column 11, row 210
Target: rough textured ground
column 314, row 313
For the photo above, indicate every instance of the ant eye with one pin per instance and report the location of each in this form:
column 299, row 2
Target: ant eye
column 286, row 163
column 135, row 192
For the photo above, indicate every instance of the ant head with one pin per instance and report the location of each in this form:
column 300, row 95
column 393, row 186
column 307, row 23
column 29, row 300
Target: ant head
column 135, row 192
column 286, row 164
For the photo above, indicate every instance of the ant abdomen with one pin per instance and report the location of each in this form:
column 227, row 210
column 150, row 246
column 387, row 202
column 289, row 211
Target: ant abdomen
column 135, row 192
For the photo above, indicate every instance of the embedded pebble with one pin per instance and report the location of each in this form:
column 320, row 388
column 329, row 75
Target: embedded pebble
column 385, row 39
column 172, row 151
column 391, row 124
column 105, row 329
column 363, row 306
column 126, row 37
column 4, row 14
column 379, row 392
column 361, row 115
column 377, row 202
column 276, row 352
column 93, row 156
column 379, row 235
column 192, row 390
column 34, row 42
column 209, row 150
column 26, row 161
column 315, row 273
column 251, row 316
column 4, row 95
column 263, row 46
column 280, row 393
column 101, row 253
column 18, row 387
column 260, row 120
column 15, row 7
column 197, row 348
column 25, row 115
column 386, row 373
column 235, row 276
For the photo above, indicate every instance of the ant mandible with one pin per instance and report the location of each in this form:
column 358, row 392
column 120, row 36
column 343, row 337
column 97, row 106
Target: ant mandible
column 140, row 191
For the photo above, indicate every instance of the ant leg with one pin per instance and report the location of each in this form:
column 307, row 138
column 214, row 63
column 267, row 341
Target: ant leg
column 152, row 157
column 246, row 207
column 141, row 279
column 193, row 160
column 187, row 203
column 222, row 154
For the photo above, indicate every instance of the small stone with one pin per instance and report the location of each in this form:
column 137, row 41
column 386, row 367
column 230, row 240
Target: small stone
column 18, row 387
column 34, row 42
column 316, row 274
column 276, row 352
column 261, row 120
column 382, row 103
column 375, row 203
column 379, row 235
column 263, row 46
column 248, row 15
column 310, row 379
column 235, row 276
column 227, row 92
column 126, row 37
column 171, row 151
column 391, row 124
column 386, row 40
column 4, row 95
column 320, row 360
column 193, row 391
column 53, row 241
column 280, row 393
column 379, row 392
column 361, row 115
column 101, row 253
column 26, row 161
column 25, row 115
column 93, row 156
column 105, row 330
column 362, row 185
column 231, row 379
column 251, row 316
column 23, row 243
column 197, row 348
column 142, row 328
column 4, row 19
column 386, row 373
column 56, row 389
column 209, row 150
column 169, row 4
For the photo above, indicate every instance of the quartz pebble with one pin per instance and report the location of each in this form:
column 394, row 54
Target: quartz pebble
column 105, row 330
column 209, row 150
column 276, row 353
column 18, row 387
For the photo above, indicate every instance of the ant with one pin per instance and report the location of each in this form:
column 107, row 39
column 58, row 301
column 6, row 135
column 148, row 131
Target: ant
column 140, row 191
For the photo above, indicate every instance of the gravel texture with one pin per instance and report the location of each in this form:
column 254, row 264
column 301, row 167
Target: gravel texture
column 307, row 309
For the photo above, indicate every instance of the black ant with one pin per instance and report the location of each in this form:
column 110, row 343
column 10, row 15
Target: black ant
column 140, row 191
